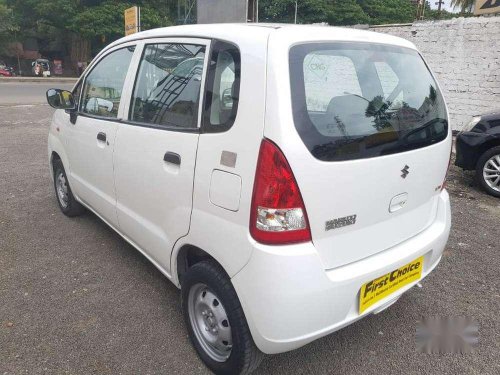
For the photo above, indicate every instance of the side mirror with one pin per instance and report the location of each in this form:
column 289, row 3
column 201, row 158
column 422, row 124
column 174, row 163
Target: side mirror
column 60, row 99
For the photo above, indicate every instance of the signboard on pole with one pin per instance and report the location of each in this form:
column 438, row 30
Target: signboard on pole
column 486, row 6
column 132, row 20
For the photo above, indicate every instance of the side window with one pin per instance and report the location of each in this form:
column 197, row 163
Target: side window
column 104, row 84
column 326, row 77
column 167, row 88
column 223, row 86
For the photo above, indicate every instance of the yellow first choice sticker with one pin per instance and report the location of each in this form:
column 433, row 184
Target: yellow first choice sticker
column 379, row 288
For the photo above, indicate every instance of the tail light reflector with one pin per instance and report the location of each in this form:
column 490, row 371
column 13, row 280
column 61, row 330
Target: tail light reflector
column 278, row 213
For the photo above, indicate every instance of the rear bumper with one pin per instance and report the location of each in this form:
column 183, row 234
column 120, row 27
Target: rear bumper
column 289, row 299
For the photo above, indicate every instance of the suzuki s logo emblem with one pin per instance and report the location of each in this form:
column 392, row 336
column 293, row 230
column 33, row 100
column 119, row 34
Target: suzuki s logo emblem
column 405, row 171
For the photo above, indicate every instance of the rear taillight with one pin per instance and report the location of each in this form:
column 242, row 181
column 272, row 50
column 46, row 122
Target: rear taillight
column 278, row 214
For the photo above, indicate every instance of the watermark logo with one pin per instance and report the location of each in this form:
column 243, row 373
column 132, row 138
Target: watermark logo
column 439, row 335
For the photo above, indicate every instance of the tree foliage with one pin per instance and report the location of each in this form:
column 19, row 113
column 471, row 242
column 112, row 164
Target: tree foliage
column 465, row 6
column 389, row 11
column 338, row 12
column 106, row 19
column 347, row 12
column 309, row 11
column 8, row 26
column 91, row 24
column 95, row 22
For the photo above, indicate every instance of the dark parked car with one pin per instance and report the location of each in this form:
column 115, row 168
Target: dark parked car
column 478, row 148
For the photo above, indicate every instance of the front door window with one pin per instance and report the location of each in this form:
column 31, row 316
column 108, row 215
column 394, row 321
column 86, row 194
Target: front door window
column 104, row 84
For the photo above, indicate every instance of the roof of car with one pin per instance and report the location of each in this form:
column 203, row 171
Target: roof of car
column 237, row 31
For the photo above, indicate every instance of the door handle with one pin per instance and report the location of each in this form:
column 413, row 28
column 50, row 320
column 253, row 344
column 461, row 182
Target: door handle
column 398, row 202
column 101, row 137
column 172, row 157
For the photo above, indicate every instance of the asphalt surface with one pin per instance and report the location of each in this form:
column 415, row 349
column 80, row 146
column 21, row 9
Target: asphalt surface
column 15, row 93
column 75, row 298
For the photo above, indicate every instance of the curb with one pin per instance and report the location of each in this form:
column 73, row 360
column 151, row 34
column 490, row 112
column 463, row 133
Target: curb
column 39, row 80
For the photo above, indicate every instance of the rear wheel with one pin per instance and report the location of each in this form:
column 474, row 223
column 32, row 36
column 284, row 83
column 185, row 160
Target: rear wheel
column 67, row 202
column 488, row 171
column 215, row 321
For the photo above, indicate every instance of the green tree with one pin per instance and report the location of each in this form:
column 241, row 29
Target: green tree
column 388, row 11
column 308, row 11
column 8, row 26
column 85, row 25
column 434, row 14
column 346, row 12
column 106, row 20
column 465, row 6
column 338, row 12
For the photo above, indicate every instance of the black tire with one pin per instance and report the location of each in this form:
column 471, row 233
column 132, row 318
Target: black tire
column 72, row 207
column 479, row 170
column 245, row 357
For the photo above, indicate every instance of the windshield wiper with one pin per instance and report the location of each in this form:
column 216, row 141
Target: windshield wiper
column 403, row 144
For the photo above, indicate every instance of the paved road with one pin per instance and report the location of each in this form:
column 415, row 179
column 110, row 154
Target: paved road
column 76, row 298
column 25, row 93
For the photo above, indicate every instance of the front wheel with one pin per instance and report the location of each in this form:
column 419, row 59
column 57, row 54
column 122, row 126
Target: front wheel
column 488, row 171
column 215, row 321
column 67, row 202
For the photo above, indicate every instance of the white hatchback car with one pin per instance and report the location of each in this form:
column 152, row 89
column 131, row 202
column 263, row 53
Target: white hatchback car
column 289, row 179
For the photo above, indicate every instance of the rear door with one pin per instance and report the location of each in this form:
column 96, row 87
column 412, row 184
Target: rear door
column 91, row 138
column 155, row 150
column 373, row 145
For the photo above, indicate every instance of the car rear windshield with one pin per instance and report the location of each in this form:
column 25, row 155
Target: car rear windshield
column 359, row 100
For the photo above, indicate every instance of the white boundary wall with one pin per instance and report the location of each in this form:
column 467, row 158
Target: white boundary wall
column 464, row 54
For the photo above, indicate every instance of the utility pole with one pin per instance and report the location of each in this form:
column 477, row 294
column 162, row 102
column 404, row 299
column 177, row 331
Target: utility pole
column 439, row 3
column 296, row 11
column 11, row 26
column 17, row 53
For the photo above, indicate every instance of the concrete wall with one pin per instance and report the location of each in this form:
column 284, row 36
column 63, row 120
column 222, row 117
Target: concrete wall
column 464, row 54
column 221, row 11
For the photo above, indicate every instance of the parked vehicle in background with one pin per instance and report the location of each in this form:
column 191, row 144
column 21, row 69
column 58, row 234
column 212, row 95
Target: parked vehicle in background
column 289, row 179
column 478, row 148
column 41, row 68
column 5, row 73
column 6, row 70
column 11, row 70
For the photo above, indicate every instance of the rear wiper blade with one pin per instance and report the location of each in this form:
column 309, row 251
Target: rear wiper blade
column 425, row 126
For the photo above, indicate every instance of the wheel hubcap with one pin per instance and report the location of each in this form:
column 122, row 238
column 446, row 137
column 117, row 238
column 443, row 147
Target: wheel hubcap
column 491, row 172
column 210, row 322
column 62, row 190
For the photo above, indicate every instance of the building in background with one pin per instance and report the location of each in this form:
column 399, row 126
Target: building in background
column 223, row 11
column 486, row 7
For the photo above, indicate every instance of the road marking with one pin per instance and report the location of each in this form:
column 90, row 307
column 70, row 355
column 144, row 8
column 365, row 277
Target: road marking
column 21, row 105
